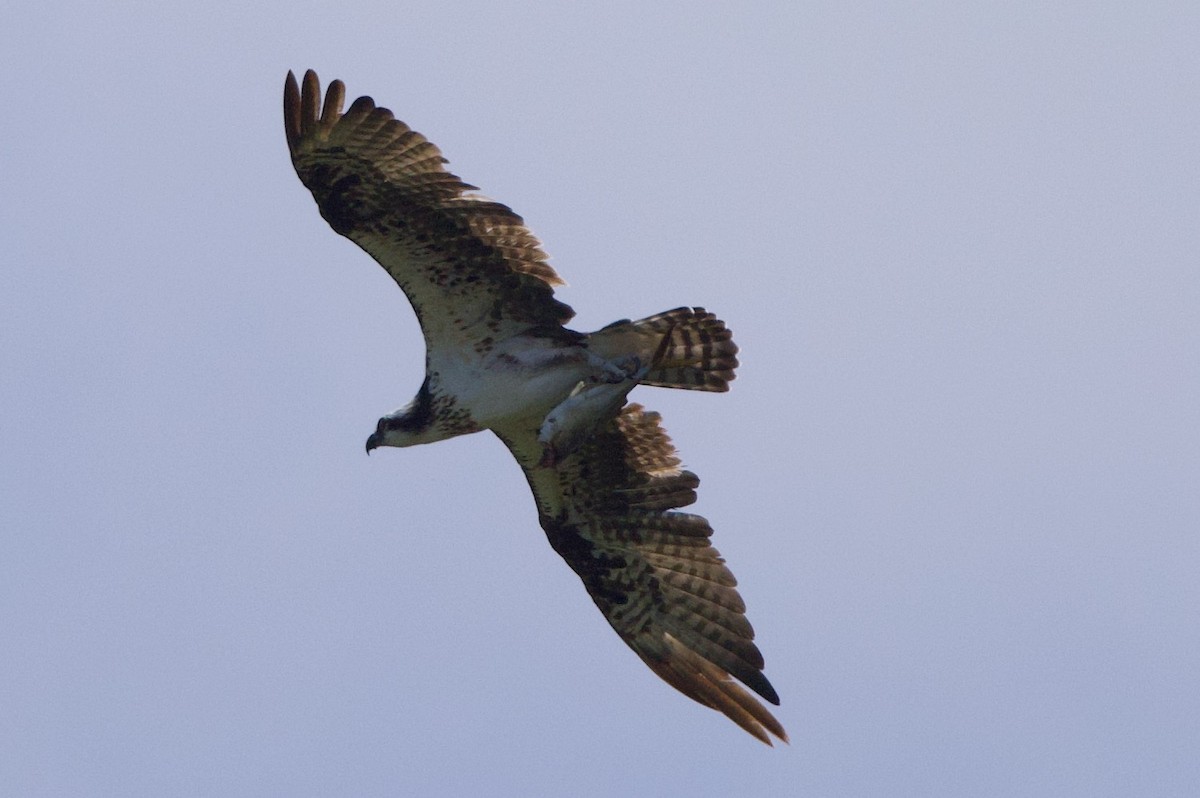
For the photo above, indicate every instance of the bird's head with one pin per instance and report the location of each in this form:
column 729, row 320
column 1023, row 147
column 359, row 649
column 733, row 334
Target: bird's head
column 408, row 426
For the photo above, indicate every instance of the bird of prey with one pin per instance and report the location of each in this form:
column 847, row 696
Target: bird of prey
column 605, row 476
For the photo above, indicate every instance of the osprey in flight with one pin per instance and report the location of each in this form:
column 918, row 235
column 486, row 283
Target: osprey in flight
column 604, row 474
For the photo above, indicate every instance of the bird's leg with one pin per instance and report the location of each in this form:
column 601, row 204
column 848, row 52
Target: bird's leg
column 590, row 404
column 593, row 402
column 629, row 367
column 613, row 371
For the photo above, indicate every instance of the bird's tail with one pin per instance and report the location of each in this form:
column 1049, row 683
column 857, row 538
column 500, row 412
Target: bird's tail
column 686, row 348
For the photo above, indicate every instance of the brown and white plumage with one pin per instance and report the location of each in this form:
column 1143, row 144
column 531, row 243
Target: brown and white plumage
column 383, row 186
column 610, row 511
column 607, row 481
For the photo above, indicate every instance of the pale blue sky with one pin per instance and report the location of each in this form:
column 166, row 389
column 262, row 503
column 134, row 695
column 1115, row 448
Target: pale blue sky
column 957, row 475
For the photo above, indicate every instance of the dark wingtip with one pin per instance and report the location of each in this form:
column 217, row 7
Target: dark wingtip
column 291, row 111
column 303, row 112
column 767, row 691
column 310, row 101
column 335, row 95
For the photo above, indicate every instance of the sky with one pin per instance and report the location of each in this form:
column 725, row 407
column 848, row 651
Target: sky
column 957, row 476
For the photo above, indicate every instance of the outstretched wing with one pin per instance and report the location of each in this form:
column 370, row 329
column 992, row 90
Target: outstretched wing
column 469, row 266
column 609, row 509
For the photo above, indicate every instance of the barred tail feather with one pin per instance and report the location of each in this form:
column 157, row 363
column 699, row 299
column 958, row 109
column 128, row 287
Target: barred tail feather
column 697, row 353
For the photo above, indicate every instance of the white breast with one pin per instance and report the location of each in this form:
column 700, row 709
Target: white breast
column 518, row 379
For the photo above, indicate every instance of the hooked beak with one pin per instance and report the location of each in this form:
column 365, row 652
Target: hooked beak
column 373, row 441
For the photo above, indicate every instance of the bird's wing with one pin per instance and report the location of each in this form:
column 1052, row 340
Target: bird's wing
column 469, row 266
column 610, row 510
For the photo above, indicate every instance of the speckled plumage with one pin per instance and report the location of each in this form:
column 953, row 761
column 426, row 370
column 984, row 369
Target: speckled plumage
column 499, row 358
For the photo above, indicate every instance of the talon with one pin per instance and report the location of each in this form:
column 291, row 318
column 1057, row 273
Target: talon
column 621, row 370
